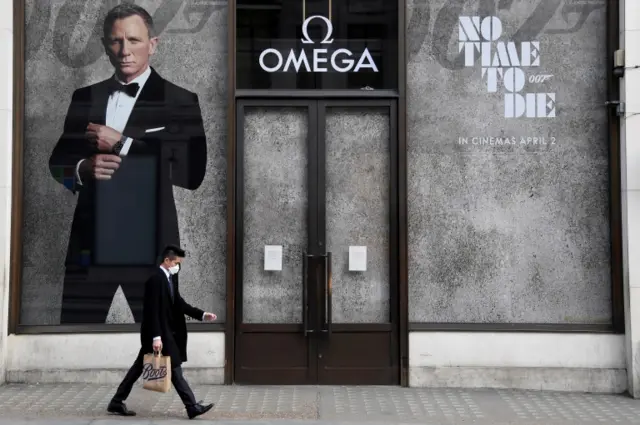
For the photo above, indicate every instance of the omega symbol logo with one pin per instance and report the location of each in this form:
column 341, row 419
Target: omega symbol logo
column 305, row 30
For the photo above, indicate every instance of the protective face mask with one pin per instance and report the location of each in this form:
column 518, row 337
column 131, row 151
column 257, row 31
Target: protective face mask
column 174, row 269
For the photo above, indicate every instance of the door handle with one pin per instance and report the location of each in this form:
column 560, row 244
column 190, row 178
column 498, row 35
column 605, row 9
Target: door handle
column 328, row 305
column 305, row 295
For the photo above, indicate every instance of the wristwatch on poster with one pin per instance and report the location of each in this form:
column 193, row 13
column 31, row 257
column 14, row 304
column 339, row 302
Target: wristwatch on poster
column 118, row 146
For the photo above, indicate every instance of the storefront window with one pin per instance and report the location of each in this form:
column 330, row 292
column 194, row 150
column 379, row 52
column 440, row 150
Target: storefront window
column 308, row 44
column 113, row 172
column 508, row 162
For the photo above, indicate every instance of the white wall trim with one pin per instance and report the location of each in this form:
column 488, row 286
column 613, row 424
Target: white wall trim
column 6, row 150
column 103, row 358
column 541, row 361
column 630, row 169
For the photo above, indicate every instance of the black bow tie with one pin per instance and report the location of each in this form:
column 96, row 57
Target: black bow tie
column 130, row 89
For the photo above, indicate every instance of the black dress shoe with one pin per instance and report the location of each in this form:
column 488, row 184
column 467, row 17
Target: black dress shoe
column 120, row 409
column 198, row 409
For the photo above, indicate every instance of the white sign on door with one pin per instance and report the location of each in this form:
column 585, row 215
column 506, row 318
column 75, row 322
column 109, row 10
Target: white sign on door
column 273, row 257
column 358, row 258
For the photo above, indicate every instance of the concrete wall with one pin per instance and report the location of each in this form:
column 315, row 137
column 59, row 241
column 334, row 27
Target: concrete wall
column 630, row 151
column 6, row 119
column 594, row 363
column 509, row 233
column 561, row 361
column 90, row 358
column 538, row 361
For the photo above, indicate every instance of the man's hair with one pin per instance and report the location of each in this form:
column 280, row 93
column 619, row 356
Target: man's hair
column 172, row 252
column 124, row 10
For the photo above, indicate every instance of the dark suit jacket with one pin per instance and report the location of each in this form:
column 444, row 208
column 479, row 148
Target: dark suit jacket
column 165, row 318
column 179, row 150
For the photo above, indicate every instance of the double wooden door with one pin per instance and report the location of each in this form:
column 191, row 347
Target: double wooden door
column 317, row 179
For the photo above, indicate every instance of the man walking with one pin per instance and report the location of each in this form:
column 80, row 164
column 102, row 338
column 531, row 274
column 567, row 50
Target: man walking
column 164, row 329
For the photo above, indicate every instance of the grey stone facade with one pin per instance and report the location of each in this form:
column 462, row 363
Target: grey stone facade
column 497, row 234
column 508, row 233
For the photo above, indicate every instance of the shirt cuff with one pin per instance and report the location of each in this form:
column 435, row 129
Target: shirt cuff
column 126, row 146
column 78, row 179
column 203, row 314
column 157, row 338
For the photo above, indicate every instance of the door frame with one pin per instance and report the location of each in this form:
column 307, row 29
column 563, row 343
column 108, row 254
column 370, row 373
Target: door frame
column 238, row 272
column 317, row 109
column 239, row 192
column 395, row 313
column 233, row 95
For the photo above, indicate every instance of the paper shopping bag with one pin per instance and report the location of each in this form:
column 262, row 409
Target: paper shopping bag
column 156, row 373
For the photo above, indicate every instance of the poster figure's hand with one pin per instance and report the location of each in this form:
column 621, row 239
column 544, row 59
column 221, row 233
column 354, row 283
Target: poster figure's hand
column 104, row 137
column 100, row 167
column 210, row 317
column 157, row 346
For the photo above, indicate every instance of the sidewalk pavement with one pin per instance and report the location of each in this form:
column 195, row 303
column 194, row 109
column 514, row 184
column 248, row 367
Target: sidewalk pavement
column 83, row 404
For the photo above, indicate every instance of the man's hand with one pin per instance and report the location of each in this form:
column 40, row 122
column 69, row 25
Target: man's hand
column 210, row 317
column 157, row 346
column 100, row 167
column 104, row 137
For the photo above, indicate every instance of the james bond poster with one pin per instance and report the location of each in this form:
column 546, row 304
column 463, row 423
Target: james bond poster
column 124, row 137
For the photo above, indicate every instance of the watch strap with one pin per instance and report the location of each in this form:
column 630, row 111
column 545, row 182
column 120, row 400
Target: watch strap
column 118, row 146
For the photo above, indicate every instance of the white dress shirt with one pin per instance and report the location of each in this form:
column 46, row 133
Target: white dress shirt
column 166, row 272
column 119, row 108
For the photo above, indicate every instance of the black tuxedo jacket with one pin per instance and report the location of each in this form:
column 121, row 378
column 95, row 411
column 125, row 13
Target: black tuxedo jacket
column 164, row 317
column 176, row 145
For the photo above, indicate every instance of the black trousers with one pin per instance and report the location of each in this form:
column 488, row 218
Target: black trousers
column 177, row 379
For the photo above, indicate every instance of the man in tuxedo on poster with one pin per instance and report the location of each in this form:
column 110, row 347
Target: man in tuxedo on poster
column 126, row 141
